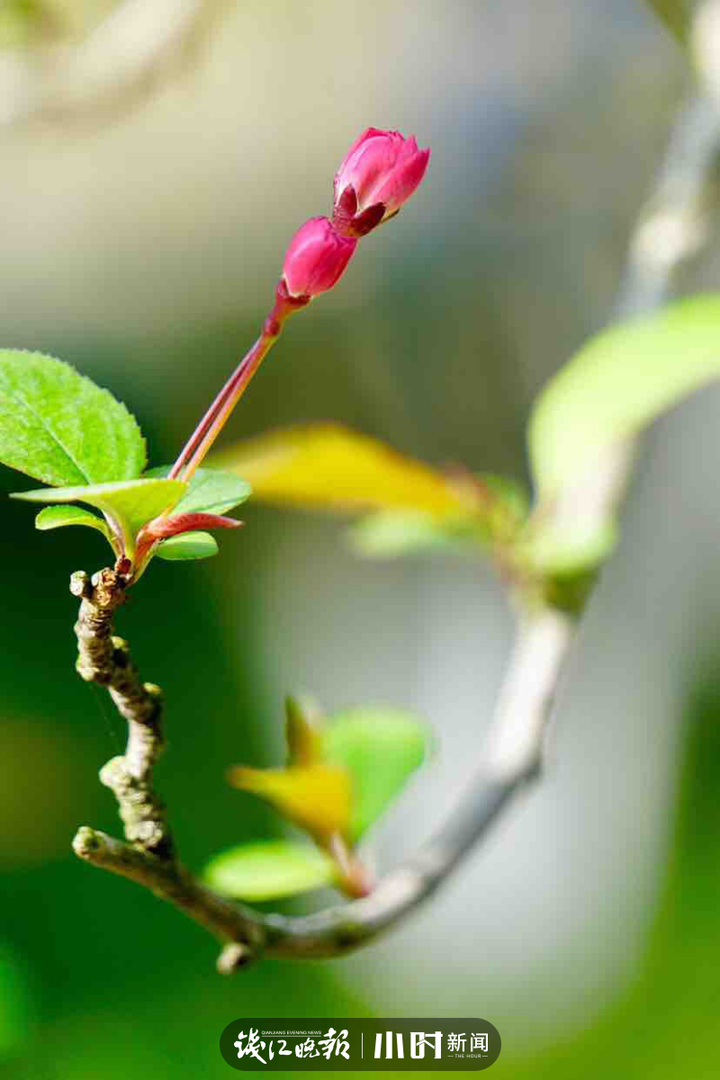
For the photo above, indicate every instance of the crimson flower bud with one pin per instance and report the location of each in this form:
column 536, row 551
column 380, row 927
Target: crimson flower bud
column 380, row 172
column 316, row 258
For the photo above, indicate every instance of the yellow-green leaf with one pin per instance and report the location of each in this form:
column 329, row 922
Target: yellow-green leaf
column 317, row 797
column 618, row 383
column 302, row 732
column 192, row 545
column 128, row 505
column 380, row 749
column 328, row 466
column 55, row 517
column 209, row 491
column 387, row 534
column 269, row 870
column 676, row 14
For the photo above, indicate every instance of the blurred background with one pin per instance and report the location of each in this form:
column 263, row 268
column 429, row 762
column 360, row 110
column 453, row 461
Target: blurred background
column 150, row 181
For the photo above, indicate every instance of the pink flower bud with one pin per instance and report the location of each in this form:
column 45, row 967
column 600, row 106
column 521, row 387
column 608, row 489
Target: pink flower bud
column 380, row 172
column 316, row 258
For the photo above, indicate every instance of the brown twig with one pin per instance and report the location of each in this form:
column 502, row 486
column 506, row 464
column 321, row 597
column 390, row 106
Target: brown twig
column 670, row 229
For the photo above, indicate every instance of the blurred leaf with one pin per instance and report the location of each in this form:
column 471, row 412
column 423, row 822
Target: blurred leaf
column 508, row 499
column 315, row 797
column 15, row 1004
column 328, row 466
column 268, row 870
column 128, row 504
column 303, row 737
column 25, row 22
column 676, row 14
column 58, row 427
column 501, row 510
column 55, row 517
column 191, row 545
column 562, row 551
column 391, row 533
column 380, row 748
column 619, row 382
column 210, row 491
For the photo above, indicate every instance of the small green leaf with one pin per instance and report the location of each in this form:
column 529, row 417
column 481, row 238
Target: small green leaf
column 210, row 491
column 554, row 551
column 127, row 505
column 380, row 748
column 59, row 427
column 676, row 14
column 317, row 797
column 192, row 545
column 302, row 731
column 616, row 384
column 268, row 870
column 390, row 533
column 54, row 517
column 509, row 502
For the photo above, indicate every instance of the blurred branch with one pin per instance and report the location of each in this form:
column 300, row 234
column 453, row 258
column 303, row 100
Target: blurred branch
column 672, row 226
column 121, row 59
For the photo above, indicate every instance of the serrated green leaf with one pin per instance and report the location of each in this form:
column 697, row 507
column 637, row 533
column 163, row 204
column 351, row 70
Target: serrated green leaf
column 616, row 384
column 192, row 545
column 128, row 505
column 210, row 491
column 268, row 870
column 59, row 427
column 55, row 517
column 677, row 16
column 380, row 748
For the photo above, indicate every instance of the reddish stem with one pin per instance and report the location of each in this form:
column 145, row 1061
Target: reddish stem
column 354, row 878
column 217, row 415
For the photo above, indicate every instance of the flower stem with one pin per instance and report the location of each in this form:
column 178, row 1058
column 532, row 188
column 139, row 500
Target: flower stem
column 214, row 420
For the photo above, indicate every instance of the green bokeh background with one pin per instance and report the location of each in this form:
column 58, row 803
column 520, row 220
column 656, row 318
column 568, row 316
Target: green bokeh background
column 141, row 243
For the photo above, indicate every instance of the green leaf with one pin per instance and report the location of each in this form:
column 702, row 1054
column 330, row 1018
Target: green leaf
column 302, row 731
column 192, row 545
column 268, row 870
column 127, row 505
column 380, row 748
column 54, row 517
column 676, row 14
column 317, row 797
column 508, row 503
column 210, row 491
column 564, row 551
column 498, row 516
column 616, row 384
column 391, row 533
column 58, row 427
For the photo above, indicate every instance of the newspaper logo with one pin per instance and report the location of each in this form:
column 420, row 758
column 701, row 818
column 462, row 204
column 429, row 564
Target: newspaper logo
column 355, row 1045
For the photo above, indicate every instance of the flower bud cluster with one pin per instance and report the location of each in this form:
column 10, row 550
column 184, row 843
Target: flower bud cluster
column 379, row 173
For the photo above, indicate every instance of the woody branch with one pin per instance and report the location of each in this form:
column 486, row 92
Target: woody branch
column 672, row 227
